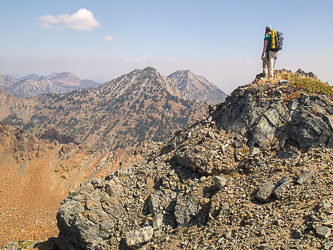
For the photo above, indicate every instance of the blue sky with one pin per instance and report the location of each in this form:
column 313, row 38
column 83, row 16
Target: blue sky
column 220, row 40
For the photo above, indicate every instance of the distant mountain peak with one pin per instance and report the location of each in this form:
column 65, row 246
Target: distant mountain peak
column 149, row 68
column 31, row 76
column 151, row 71
column 66, row 78
column 197, row 88
column 147, row 79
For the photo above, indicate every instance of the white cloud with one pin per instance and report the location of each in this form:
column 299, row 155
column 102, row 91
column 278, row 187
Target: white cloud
column 83, row 19
column 108, row 38
column 142, row 59
column 248, row 61
column 46, row 21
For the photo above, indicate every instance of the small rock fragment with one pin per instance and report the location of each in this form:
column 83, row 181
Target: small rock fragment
column 97, row 183
column 211, row 135
column 323, row 232
column 238, row 144
column 137, row 237
column 282, row 187
column 328, row 245
column 157, row 221
column 254, row 151
column 219, row 182
column 265, row 191
column 304, row 175
column 263, row 247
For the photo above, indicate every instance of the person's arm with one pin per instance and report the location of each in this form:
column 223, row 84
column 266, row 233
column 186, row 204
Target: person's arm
column 264, row 50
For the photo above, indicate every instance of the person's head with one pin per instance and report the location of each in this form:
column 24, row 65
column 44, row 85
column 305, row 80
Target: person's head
column 268, row 29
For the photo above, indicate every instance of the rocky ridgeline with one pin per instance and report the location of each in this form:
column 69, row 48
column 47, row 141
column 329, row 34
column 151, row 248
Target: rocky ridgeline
column 255, row 174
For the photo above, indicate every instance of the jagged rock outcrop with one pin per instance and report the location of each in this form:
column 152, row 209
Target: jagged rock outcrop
column 197, row 88
column 188, row 210
column 206, row 149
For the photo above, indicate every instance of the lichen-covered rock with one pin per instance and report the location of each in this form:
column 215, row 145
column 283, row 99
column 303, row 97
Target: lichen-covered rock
column 153, row 203
column 13, row 245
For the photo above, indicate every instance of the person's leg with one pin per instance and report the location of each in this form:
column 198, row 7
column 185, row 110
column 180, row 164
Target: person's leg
column 265, row 65
column 271, row 65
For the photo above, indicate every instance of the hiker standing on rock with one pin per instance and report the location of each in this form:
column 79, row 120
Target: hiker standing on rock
column 268, row 55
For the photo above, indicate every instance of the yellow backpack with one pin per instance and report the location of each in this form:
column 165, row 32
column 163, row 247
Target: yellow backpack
column 276, row 40
column 273, row 40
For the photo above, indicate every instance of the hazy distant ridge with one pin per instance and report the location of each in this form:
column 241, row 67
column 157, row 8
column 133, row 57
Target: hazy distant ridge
column 33, row 84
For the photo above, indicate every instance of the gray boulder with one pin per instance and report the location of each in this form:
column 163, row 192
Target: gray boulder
column 88, row 215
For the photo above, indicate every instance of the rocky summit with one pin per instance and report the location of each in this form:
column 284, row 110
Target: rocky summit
column 276, row 111
column 253, row 174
